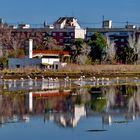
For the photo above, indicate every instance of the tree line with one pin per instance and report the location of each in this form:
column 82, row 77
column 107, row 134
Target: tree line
column 96, row 50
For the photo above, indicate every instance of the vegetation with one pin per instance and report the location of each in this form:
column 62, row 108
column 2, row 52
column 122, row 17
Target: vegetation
column 96, row 50
column 74, row 71
column 126, row 55
column 3, row 62
column 98, row 45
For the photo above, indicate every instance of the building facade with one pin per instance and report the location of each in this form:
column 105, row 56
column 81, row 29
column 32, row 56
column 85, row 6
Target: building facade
column 38, row 59
column 65, row 30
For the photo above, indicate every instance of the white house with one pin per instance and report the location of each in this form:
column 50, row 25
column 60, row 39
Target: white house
column 37, row 59
column 70, row 24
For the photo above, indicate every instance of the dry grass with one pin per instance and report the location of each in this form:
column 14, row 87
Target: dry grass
column 75, row 70
column 101, row 68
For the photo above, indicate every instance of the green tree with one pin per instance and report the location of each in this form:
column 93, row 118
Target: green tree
column 131, row 57
column 89, row 61
column 3, row 61
column 98, row 46
column 126, row 55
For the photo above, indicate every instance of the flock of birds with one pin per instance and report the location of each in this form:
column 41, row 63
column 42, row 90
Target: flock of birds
column 81, row 81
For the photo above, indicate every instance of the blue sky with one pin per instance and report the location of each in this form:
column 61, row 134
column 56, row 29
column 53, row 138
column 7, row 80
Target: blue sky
column 88, row 12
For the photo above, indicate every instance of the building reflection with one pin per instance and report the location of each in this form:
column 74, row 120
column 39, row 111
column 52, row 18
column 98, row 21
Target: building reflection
column 67, row 119
column 33, row 84
column 66, row 107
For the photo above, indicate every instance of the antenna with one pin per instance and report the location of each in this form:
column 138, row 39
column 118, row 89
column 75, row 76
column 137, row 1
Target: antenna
column 103, row 17
column 127, row 23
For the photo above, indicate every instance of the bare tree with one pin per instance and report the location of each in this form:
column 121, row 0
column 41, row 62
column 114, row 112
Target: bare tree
column 5, row 40
column 131, row 41
column 137, row 46
column 85, row 50
column 110, row 50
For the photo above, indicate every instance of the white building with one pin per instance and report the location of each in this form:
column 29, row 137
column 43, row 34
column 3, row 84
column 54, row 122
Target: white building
column 107, row 24
column 24, row 26
column 36, row 59
column 70, row 24
column 67, row 22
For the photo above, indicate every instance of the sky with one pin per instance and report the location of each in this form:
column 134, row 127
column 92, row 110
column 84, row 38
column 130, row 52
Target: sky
column 88, row 12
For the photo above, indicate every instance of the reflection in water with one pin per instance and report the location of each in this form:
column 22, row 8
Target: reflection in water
column 69, row 118
column 65, row 107
column 51, row 83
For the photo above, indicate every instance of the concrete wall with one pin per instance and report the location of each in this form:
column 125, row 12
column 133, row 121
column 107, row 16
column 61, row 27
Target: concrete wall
column 49, row 61
column 30, row 62
column 80, row 33
column 76, row 24
column 23, row 62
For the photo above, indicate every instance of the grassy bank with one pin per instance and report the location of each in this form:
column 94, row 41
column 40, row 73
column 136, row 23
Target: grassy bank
column 74, row 71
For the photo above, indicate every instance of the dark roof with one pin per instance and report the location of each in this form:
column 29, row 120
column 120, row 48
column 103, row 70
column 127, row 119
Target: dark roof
column 61, row 19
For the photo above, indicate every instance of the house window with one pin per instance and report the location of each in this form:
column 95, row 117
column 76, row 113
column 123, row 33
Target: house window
column 60, row 34
column 17, row 66
column 61, row 40
column 33, row 34
column 72, row 34
column 67, row 34
column 53, row 34
column 44, row 34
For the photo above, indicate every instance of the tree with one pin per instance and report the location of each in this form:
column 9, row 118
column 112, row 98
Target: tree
column 50, row 44
column 89, row 61
column 5, row 40
column 12, row 54
column 20, row 53
column 129, row 55
column 98, row 45
column 126, row 55
column 76, row 48
column 110, row 51
column 10, row 42
column 3, row 62
column 80, row 51
column 137, row 47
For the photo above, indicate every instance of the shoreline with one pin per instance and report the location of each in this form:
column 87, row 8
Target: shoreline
column 74, row 71
column 72, row 75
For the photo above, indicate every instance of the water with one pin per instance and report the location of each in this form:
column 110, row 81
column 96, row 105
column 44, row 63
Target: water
column 42, row 110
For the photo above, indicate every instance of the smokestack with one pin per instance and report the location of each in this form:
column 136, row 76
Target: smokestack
column 30, row 48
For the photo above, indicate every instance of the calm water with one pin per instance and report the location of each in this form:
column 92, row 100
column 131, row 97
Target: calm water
column 41, row 110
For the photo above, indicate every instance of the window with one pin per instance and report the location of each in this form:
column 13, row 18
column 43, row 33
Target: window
column 72, row 34
column 53, row 34
column 61, row 40
column 33, row 34
column 60, row 34
column 67, row 34
column 17, row 66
